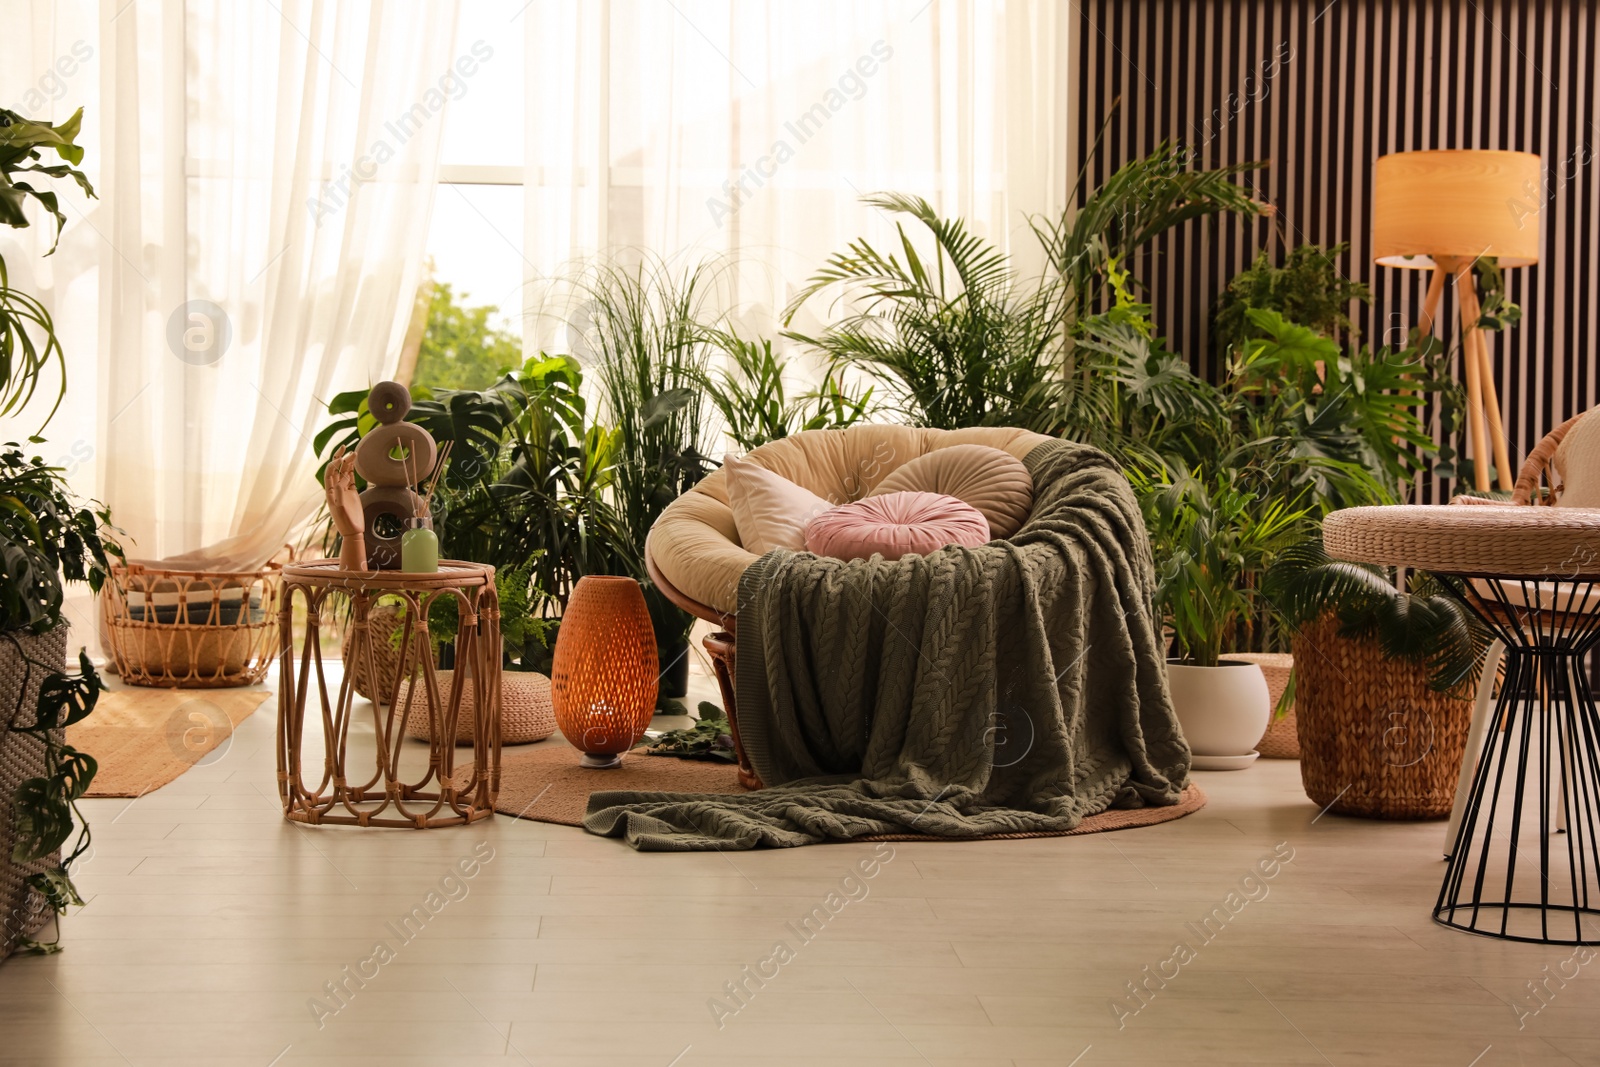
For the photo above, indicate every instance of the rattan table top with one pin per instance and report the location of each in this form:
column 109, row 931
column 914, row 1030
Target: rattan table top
column 452, row 573
column 1482, row 540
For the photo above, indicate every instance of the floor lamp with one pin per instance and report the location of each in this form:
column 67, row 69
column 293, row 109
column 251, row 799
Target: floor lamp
column 1444, row 210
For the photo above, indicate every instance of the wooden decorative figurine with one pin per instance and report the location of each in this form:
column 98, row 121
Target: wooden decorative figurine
column 391, row 458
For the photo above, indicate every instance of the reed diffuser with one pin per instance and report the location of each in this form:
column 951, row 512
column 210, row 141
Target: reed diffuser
column 419, row 545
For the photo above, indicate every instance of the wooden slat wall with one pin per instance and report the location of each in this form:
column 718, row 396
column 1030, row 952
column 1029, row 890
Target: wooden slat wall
column 1355, row 79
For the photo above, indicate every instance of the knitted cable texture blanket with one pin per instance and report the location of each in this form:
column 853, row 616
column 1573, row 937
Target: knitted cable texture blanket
column 1019, row 686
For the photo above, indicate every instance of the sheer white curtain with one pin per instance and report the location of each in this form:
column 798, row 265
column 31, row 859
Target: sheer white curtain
column 267, row 173
column 751, row 127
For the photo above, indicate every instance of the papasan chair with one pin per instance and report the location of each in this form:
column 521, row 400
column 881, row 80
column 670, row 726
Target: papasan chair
column 695, row 556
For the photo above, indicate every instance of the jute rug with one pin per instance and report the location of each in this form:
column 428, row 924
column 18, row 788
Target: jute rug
column 144, row 738
column 543, row 782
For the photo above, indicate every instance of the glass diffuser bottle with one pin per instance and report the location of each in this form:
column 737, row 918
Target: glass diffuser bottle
column 419, row 546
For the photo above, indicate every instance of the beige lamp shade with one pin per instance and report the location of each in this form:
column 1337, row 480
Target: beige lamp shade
column 1460, row 203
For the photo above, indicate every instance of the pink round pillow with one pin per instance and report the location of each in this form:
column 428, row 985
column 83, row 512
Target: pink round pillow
column 895, row 525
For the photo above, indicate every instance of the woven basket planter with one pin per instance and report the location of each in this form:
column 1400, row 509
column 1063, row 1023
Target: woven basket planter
column 21, row 757
column 190, row 629
column 1282, row 739
column 385, row 621
column 1375, row 741
column 526, row 714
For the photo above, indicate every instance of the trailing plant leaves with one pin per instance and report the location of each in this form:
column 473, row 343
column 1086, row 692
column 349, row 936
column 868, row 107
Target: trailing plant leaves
column 74, row 771
column 43, row 819
column 68, row 699
column 711, row 738
column 57, row 889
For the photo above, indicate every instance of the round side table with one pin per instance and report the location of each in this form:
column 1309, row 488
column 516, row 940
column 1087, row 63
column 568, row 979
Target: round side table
column 1525, row 862
column 376, row 794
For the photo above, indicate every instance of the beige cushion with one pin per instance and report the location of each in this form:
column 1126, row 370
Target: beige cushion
column 769, row 511
column 1577, row 464
column 695, row 543
column 994, row 482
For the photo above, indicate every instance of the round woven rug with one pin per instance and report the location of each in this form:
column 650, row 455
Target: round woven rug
column 543, row 782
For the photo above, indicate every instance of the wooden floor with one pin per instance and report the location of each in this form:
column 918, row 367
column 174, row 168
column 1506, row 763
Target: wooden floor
column 218, row 934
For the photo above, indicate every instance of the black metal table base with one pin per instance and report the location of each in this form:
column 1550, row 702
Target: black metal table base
column 1525, row 864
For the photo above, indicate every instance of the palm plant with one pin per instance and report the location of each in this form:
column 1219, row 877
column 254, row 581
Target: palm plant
column 752, row 398
column 960, row 341
column 1420, row 623
column 650, row 354
column 964, row 342
column 1142, row 200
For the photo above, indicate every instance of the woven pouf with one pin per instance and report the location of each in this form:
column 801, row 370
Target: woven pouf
column 1375, row 740
column 1282, row 739
column 526, row 714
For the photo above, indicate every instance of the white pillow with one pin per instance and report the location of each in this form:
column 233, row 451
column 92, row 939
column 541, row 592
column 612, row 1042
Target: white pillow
column 1577, row 463
column 770, row 511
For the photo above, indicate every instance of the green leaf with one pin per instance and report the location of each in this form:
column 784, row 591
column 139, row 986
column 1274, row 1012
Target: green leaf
column 57, row 889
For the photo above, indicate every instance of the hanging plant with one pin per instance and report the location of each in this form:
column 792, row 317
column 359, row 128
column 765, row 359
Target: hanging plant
column 45, row 808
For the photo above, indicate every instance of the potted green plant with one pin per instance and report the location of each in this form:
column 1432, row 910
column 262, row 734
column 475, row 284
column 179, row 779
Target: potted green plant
column 525, row 489
column 1383, row 673
column 751, row 396
column 47, row 539
column 1211, row 534
column 646, row 335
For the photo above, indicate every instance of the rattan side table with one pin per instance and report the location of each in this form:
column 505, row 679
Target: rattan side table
column 1525, row 864
column 377, row 794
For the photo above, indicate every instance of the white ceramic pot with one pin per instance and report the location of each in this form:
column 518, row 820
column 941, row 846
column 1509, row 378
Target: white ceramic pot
column 1223, row 711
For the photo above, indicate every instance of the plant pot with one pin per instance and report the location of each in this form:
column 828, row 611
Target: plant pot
column 1282, row 739
column 1223, row 711
column 21, row 757
column 674, row 660
column 1375, row 740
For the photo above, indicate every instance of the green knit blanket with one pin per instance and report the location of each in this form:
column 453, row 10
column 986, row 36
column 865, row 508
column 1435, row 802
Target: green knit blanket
column 1015, row 687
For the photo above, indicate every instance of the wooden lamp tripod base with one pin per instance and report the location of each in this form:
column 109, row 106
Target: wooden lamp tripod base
column 1483, row 399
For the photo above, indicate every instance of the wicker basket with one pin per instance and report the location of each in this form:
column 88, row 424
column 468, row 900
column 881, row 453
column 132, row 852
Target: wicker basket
column 526, row 714
column 190, row 629
column 22, row 757
column 385, row 621
column 1282, row 739
column 1375, row 741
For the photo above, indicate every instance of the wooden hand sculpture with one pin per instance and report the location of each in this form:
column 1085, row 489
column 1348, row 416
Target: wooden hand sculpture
column 344, row 505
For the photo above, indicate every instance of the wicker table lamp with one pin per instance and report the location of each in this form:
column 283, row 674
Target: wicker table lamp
column 1445, row 210
column 603, row 679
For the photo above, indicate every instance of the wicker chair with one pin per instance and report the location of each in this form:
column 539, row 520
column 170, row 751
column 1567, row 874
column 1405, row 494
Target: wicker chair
column 1533, row 480
column 693, row 553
